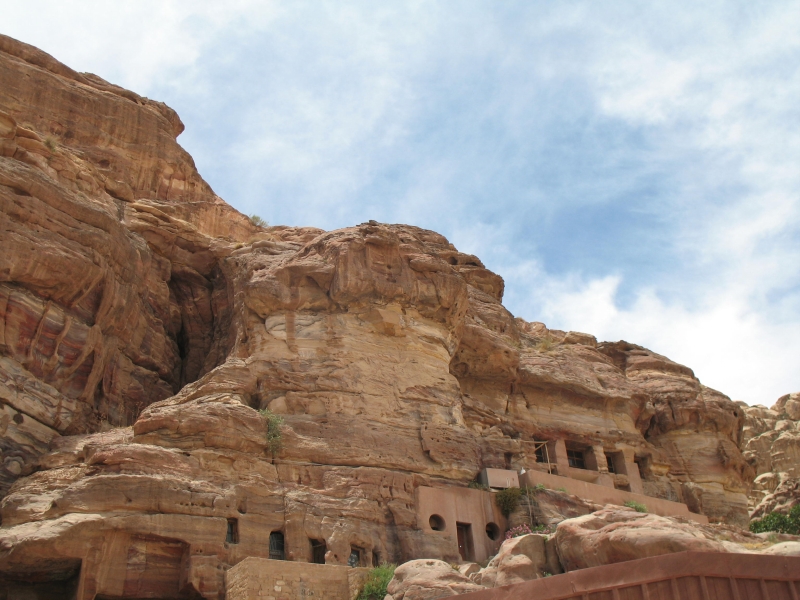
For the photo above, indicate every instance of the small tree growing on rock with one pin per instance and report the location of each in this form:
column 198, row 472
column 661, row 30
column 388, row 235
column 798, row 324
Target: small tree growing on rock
column 258, row 221
column 507, row 500
column 274, row 433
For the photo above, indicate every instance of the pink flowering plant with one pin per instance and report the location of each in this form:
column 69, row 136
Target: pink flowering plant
column 518, row 531
column 524, row 529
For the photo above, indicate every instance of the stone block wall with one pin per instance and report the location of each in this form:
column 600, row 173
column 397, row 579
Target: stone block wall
column 263, row 579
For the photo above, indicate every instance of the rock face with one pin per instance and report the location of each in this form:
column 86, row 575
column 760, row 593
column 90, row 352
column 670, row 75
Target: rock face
column 144, row 323
column 771, row 444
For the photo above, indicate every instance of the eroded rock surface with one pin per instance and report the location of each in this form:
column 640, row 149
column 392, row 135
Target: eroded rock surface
column 616, row 535
column 428, row 580
column 144, row 323
column 520, row 559
column 771, row 444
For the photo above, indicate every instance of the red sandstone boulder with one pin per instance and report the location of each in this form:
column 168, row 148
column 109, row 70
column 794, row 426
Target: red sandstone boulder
column 520, row 559
column 428, row 580
column 784, row 549
column 616, row 535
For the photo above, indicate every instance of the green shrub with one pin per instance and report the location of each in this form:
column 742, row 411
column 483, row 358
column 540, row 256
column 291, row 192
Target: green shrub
column 637, row 506
column 507, row 500
column 274, row 432
column 562, row 489
column 545, row 345
column 258, row 221
column 778, row 522
column 377, row 582
column 477, row 485
column 539, row 487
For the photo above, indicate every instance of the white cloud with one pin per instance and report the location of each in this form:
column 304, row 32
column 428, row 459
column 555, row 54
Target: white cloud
column 731, row 347
column 134, row 44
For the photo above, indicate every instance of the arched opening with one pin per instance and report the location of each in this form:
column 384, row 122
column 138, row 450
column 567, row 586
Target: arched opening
column 492, row 531
column 436, row 522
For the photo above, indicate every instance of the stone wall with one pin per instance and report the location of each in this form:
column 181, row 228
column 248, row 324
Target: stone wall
column 600, row 494
column 446, row 509
column 259, row 578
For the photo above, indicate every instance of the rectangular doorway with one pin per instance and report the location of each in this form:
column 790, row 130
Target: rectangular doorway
column 465, row 549
column 318, row 550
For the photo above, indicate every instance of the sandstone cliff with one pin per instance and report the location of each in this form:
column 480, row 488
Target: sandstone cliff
column 144, row 322
column 771, row 444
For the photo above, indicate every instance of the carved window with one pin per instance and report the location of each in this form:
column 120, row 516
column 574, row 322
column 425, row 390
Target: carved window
column 232, row 537
column 610, row 462
column 576, row 459
column 355, row 557
column 437, row 523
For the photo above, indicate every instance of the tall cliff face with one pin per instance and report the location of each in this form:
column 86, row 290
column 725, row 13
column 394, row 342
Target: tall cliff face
column 771, row 444
column 144, row 322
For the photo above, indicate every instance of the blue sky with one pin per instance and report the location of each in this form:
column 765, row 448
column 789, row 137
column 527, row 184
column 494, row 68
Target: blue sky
column 632, row 169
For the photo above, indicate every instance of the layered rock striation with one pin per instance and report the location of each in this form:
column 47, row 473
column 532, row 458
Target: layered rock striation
column 771, row 444
column 144, row 324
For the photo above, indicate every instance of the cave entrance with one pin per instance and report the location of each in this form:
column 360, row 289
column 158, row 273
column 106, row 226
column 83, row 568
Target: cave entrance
column 192, row 321
column 42, row 590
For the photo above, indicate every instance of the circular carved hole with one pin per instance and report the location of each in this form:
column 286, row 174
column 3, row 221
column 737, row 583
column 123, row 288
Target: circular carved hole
column 436, row 522
column 493, row 531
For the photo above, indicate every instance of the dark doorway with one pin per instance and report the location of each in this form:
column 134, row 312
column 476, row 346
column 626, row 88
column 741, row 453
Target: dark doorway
column 318, row 550
column 276, row 546
column 465, row 541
